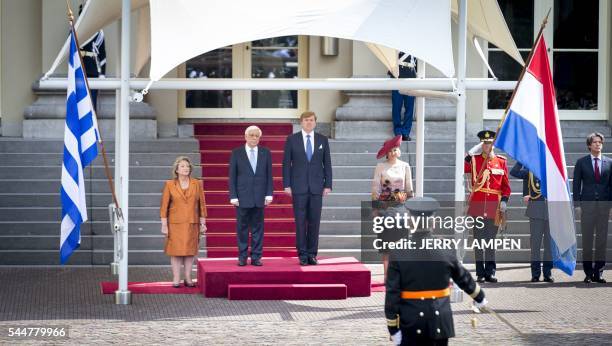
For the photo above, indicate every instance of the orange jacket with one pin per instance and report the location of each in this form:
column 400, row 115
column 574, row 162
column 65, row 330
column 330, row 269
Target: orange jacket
column 183, row 207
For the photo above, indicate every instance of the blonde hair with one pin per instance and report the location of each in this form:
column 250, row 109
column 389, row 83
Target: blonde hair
column 308, row 114
column 176, row 164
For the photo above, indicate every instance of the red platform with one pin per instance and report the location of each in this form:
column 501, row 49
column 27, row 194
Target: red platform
column 216, row 274
column 286, row 292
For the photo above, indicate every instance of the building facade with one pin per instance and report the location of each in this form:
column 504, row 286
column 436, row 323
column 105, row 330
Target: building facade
column 578, row 34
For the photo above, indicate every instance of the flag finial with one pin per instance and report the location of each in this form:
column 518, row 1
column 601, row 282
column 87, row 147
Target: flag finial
column 69, row 12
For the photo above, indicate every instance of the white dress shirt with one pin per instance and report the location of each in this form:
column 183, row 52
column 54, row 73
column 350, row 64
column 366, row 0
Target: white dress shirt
column 311, row 140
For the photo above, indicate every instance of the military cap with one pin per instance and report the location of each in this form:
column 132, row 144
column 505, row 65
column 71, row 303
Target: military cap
column 422, row 206
column 486, row 136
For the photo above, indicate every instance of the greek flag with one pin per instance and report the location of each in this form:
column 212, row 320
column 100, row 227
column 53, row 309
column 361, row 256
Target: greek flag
column 80, row 149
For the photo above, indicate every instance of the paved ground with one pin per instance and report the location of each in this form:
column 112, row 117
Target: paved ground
column 564, row 313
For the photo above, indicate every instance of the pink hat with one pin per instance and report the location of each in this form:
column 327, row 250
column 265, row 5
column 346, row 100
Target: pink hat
column 388, row 145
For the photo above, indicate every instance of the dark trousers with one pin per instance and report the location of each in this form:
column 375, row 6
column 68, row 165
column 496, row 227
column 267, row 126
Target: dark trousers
column 307, row 212
column 250, row 218
column 594, row 227
column 539, row 229
column 397, row 101
column 485, row 258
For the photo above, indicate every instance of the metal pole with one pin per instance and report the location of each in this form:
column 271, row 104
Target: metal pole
column 117, row 235
column 122, row 295
column 457, row 295
column 439, row 84
column 460, row 119
column 420, row 136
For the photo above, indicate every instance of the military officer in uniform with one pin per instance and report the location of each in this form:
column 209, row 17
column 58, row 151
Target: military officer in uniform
column 489, row 197
column 417, row 300
column 537, row 212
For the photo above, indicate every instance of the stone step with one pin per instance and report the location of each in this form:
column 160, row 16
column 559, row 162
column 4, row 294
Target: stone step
column 96, row 172
column 136, row 159
column 175, row 145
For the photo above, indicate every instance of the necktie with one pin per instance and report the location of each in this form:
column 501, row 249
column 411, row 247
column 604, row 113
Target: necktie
column 253, row 160
column 597, row 174
column 308, row 148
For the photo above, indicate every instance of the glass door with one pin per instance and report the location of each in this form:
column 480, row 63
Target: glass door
column 279, row 57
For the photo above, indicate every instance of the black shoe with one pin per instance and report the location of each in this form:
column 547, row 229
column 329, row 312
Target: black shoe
column 599, row 280
column 549, row 279
column 480, row 280
column 536, row 279
column 242, row 262
column 188, row 284
column 176, row 285
column 312, row 261
column 256, row 263
column 303, row 262
column 587, row 280
column 406, row 138
column 491, row 279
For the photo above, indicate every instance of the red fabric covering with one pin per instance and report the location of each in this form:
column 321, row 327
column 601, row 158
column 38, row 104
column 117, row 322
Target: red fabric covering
column 149, row 288
column 217, row 140
column 286, row 292
column 268, row 129
column 378, row 286
column 216, row 274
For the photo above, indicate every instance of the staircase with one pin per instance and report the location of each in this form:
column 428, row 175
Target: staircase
column 30, row 208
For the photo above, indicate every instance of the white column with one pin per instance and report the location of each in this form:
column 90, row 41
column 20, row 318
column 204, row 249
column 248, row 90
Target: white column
column 122, row 295
column 420, row 136
column 460, row 133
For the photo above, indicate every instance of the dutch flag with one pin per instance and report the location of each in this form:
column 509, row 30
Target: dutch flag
column 80, row 149
column 531, row 134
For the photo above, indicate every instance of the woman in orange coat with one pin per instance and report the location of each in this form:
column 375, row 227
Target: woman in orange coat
column 183, row 219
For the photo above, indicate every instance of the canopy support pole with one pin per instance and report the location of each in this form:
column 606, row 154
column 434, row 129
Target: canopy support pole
column 122, row 295
column 420, row 136
column 460, row 118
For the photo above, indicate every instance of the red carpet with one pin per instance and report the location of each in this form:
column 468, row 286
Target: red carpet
column 149, row 288
column 216, row 274
column 217, row 140
column 378, row 286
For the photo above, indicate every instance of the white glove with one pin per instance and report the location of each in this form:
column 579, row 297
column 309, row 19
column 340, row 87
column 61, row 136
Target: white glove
column 481, row 304
column 476, row 150
column 397, row 338
column 503, row 206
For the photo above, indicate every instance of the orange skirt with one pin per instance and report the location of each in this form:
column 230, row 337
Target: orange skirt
column 183, row 239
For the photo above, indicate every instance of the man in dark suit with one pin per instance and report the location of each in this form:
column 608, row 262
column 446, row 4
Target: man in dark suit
column 537, row 212
column 250, row 187
column 307, row 177
column 591, row 194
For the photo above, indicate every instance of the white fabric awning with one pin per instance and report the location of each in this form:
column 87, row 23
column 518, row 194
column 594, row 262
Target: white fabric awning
column 183, row 29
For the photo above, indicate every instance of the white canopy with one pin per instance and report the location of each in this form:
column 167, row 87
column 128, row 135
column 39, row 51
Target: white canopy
column 188, row 28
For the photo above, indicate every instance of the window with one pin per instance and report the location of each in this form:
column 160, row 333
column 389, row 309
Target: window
column 576, row 52
column 278, row 57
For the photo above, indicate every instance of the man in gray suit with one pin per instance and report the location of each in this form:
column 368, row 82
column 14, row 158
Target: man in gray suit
column 537, row 212
column 307, row 177
column 250, row 187
column 591, row 194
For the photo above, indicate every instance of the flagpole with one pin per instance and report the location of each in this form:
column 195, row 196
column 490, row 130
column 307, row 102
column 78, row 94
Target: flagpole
column 520, row 79
column 106, row 165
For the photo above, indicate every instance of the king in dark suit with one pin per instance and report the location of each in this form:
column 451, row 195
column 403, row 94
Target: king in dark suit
column 591, row 193
column 307, row 177
column 250, row 187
